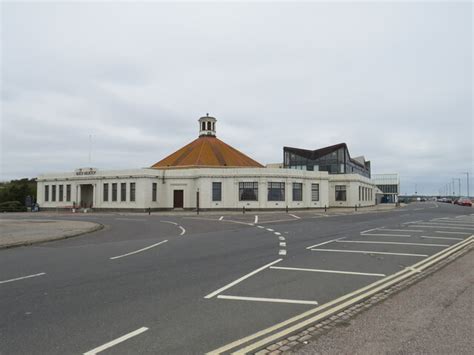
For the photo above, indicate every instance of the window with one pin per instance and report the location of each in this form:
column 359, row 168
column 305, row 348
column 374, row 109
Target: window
column 46, row 193
column 248, row 191
column 123, row 191
column 297, row 191
column 61, row 193
column 153, row 191
column 53, row 193
column 114, row 192
column 203, row 126
column 360, row 188
column 216, row 191
column 208, row 126
column 106, row 192
column 132, row 192
column 68, row 193
column 276, row 191
column 314, row 192
column 340, row 192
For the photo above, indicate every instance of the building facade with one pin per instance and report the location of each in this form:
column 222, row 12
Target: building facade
column 389, row 185
column 207, row 174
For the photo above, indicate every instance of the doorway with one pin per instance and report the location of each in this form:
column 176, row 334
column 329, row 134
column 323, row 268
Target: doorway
column 178, row 198
column 87, row 196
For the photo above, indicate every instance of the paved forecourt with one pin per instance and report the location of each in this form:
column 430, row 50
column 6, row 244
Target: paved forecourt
column 194, row 284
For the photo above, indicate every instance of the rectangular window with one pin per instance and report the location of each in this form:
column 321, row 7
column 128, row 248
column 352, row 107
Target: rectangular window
column 248, row 191
column 314, row 192
column 53, row 193
column 297, row 191
column 46, row 193
column 154, row 187
column 276, row 191
column 340, row 192
column 359, row 194
column 216, row 191
column 68, row 193
column 114, row 192
column 106, row 192
column 123, row 191
column 61, row 193
column 132, row 192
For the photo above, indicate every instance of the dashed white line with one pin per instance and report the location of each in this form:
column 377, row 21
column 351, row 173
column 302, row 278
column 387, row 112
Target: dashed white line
column 233, row 283
column 221, row 218
column 282, row 252
column 394, row 243
column 327, row 271
column 116, row 341
column 270, row 230
column 255, row 220
column 138, row 251
column 277, row 233
column 22, row 278
column 261, row 227
column 281, row 238
column 283, row 244
column 261, row 299
column 170, row 222
column 368, row 252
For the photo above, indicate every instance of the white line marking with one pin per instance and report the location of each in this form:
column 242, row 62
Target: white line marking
column 327, row 271
column 447, row 224
column 461, row 216
column 277, row 233
column 256, row 220
column 401, row 230
column 369, row 230
column 413, row 222
column 182, row 230
column 282, row 252
column 221, row 218
column 327, row 242
column 138, row 251
column 233, row 283
column 169, row 222
column 22, row 278
column 261, row 227
column 386, row 235
column 447, row 232
column 292, row 215
column 281, row 238
column 394, row 243
column 116, row 341
column 270, row 230
column 283, row 244
column 426, row 226
column 260, row 299
column 367, row 252
column 454, row 223
column 447, row 238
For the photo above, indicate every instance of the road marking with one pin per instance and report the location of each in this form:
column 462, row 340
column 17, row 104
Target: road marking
column 394, row 243
column 282, row 252
column 447, row 238
column 327, row 271
column 256, row 220
column 261, row 227
column 138, row 251
column 413, row 222
column 281, row 238
column 367, row 252
column 221, row 218
column 386, row 235
column 418, row 209
column 169, row 222
column 426, row 226
column 327, row 242
column 369, row 230
column 130, row 219
column 292, row 215
column 116, row 341
column 401, row 230
column 270, row 230
column 447, row 232
column 277, row 233
column 454, row 223
column 233, row 283
column 22, row 278
column 261, row 299
column 182, row 230
column 449, row 224
column 283, row 244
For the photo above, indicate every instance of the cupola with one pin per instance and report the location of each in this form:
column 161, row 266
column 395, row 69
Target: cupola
column 207, row 126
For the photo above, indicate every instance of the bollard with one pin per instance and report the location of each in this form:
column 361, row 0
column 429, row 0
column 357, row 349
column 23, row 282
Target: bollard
column 286, row 208
column 355, row 207
column 149, row 210
column 325, row 208
column 243, row 210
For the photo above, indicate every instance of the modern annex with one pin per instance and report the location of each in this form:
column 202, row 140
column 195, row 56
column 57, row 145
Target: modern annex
column 209, row 174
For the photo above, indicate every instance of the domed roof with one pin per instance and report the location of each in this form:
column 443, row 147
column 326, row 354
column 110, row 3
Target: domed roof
column 207, row 151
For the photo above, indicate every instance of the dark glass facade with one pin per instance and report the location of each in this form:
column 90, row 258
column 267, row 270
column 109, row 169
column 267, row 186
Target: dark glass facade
column 334, row 159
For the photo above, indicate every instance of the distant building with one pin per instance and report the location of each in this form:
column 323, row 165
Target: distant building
column 334, row 159
column 389, row 184
column 213, row 175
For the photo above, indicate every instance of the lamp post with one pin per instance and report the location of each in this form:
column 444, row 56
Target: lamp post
column 467, row 180
column 459, row 185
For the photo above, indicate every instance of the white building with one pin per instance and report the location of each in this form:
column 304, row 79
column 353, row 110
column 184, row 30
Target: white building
column 207, row 173
column 389, row 184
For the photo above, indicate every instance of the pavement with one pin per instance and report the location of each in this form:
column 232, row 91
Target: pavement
column 433, row 316
column 219, row 283
column 15, row 232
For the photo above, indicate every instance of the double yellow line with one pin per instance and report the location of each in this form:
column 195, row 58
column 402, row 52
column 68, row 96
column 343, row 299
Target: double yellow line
column 272, row 334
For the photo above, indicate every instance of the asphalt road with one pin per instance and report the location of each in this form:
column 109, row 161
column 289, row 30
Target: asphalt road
column 176, row 285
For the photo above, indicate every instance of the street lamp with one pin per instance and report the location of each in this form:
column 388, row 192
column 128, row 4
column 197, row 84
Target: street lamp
column 467, row 180
column 459, row 185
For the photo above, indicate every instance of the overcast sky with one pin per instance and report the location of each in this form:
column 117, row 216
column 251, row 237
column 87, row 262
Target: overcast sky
column 392, row 80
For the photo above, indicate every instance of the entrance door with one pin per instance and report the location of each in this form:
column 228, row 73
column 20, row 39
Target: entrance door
column 178, row 200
